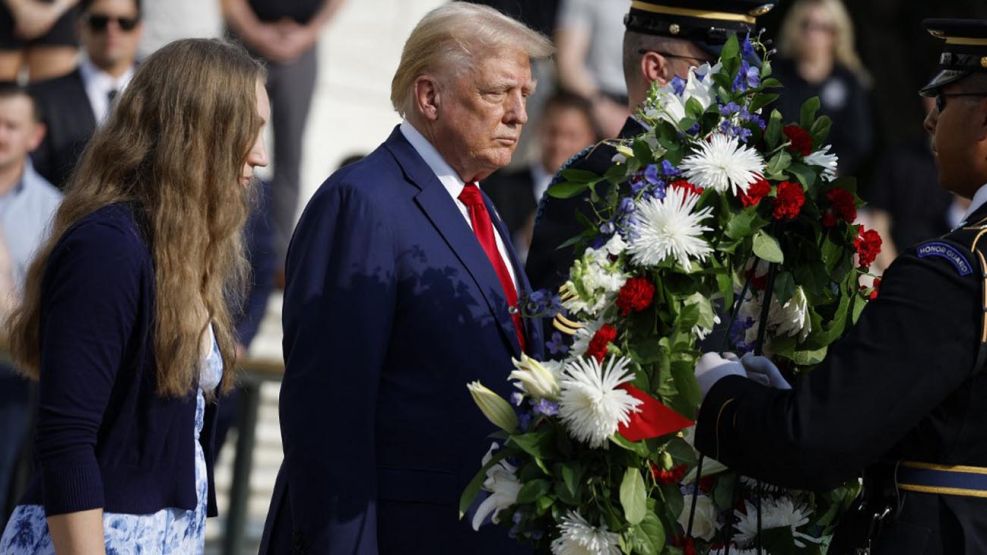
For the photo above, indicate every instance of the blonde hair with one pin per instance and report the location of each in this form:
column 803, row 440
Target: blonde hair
column 174, row 146
column 844, row 47
column 450, row 37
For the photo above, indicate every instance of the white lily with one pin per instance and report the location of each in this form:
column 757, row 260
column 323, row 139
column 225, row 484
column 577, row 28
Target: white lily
column 503, row 484
column 493, row 406
column 535, row 379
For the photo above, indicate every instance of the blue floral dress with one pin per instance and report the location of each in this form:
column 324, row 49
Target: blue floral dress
column 176, row 531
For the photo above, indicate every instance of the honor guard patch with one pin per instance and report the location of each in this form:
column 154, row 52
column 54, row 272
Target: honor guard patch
column 940, row 249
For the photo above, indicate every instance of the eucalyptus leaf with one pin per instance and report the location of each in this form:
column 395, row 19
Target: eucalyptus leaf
column 633, row 496
column 567, row 189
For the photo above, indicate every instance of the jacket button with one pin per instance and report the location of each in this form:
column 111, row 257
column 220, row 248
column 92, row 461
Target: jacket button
column 512, row 310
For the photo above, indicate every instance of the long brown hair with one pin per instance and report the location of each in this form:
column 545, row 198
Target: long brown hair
column 174, row 146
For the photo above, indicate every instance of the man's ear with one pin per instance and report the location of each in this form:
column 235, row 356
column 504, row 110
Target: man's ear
column 428, row 96
column 37, row 136
column 655, row 67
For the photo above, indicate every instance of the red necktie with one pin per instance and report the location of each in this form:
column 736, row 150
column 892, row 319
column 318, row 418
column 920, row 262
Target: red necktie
column 484, row 231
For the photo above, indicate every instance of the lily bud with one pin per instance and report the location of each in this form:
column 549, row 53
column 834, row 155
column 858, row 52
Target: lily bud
column 534, row 379
column 493, row 406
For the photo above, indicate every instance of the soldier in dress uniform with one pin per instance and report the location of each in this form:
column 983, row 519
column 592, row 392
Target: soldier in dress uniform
column 906, row 385
column 662, row 39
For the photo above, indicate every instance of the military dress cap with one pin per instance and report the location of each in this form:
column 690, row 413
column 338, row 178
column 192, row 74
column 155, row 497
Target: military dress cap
column 708, row 23
column 964, row 51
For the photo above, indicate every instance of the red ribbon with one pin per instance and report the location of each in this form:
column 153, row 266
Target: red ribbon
column 653, row 419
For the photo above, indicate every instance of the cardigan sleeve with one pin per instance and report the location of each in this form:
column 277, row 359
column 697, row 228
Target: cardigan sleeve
column 90, row 298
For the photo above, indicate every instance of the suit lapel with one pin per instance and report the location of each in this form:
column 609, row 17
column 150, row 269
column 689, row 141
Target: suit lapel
column 83, row 106
column 443, row 213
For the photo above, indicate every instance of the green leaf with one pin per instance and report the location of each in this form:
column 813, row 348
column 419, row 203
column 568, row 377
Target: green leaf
column 771, row 84
column 689, row 395
column 805, row 175
column 772, row 134
column 807, row 115
column 473, row 488
column 574, row 174
column 648, row 537
column 820, row 130
column 632, row 496
column 809, row 358
column 537, row 444
column 762, row 100
column 778, row 164
column 531, row 491
column 742, row 223
column 767, row 248
column 567, row 189
column 694, row 109
column 639, row 448
column 784, row 287
column 571, row 477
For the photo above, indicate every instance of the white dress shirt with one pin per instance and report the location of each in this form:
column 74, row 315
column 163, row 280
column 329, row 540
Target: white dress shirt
column 453, row 184
column 98, row 85
column 541, row 180
column 978, row 200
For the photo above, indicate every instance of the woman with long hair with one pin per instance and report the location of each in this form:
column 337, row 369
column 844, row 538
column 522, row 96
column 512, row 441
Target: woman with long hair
column 126, row 321
column 817, row 57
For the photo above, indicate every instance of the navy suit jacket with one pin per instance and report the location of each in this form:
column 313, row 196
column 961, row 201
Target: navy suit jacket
column 391, row 307
column 70, row 123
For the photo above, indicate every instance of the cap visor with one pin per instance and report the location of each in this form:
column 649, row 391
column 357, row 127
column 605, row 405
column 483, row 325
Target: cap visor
column 943, row 78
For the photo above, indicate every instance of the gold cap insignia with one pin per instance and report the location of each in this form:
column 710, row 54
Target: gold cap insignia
column 674, row 28
column 759, row 11
column 983, row 62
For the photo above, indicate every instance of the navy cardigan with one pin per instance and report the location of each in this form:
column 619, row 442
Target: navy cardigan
column 105, row 438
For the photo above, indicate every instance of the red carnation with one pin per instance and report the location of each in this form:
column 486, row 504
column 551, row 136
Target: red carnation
column 828, row 219
column 800, row 138
column 635, row 296
column 598, row 345
column 689, row 187
column 844, row 204
column 790, row 199
column 868, row 245
column 755, row 192
column 668, row 477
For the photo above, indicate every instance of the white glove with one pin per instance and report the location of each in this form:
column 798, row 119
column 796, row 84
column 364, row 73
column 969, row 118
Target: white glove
column 763, row 371
column 711, row 367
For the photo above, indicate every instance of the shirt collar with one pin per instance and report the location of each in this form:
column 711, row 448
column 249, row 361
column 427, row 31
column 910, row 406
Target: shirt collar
column 442, row 170
column 978, row 200
column 99, row 78
column 28, row 175
column 541, row 178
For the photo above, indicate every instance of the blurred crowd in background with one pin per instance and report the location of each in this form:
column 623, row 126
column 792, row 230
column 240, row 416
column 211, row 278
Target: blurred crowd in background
column 62, row 63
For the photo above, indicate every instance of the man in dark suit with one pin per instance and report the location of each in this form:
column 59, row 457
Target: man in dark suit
column 566, row 127
column 663, row 39
column 74, row 104
column 402, row 286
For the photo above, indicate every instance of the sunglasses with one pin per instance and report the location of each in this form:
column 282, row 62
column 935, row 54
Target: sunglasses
column 99, row 23
column 941, row 98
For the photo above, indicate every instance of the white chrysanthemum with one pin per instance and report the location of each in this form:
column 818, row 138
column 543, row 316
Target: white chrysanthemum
column 579, row 538
column 669, row 227
column 591, row 404
column 780, row 512
column 825, row 160
column 723, row 164
column 503, row 485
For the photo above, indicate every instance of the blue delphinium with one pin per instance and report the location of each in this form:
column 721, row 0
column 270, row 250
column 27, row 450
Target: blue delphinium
column 545, row 408
column 557, row 345
column 738, row 335
column 678, row 85
column 747, row 78
column 669, row 170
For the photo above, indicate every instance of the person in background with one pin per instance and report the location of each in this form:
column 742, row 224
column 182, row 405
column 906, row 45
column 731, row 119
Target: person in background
column 170, row 20
column 567, row 126
column 38, row 36
column 285, row 34
column 817, row 57
column 906, row 205
column 129, row 303
column 402, row 288
column 75, row 104
column 27, row 206
column 588, row 37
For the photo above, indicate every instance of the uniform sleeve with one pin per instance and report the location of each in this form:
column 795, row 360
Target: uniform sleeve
column 912, row 347
column 575, row 14
column 90, row 301
column 338, row 310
